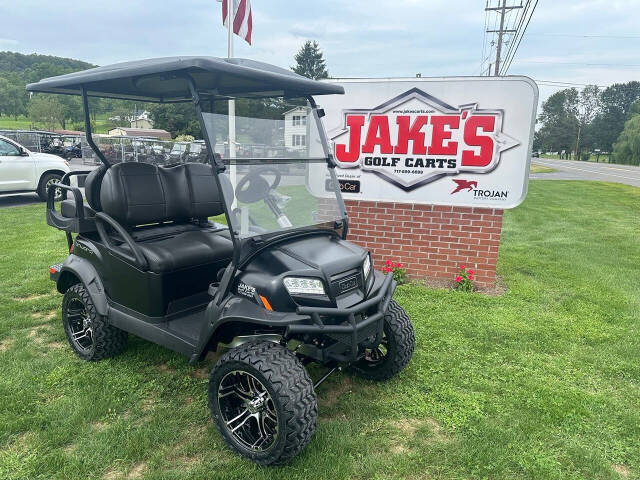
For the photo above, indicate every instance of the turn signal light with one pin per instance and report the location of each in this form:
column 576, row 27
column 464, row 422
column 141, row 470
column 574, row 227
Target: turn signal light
column 266, row 303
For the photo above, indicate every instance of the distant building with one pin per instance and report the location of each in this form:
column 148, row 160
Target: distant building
column 142, row 123
column 295, row 128
column 141, row 120
column 140, row 132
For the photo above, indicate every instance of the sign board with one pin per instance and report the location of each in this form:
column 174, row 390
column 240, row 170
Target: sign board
column 447, row 141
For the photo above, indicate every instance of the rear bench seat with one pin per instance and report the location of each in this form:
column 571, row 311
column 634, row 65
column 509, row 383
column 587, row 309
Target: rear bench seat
column 166, row 210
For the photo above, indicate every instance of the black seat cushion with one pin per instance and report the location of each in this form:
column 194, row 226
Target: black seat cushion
column 68, row 209
column 188, row 249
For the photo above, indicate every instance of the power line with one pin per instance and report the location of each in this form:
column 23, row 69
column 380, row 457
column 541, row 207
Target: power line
column 521, row 21
column 560, row 84
column 581, row 63
column 508, row 62
column 484, row 41
column 579, row 36
column 504, row 8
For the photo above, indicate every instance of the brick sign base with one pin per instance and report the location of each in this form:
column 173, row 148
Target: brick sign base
column 430, row 241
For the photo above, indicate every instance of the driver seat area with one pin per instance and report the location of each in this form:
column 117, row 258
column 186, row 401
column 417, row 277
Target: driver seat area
column 165, row 211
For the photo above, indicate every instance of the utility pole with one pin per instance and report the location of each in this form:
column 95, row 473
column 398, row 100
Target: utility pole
column 502, row 9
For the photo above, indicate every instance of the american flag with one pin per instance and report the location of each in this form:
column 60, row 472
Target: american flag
column 242, row 21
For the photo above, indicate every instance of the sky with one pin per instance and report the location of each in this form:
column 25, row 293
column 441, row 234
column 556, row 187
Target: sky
column 582, row 42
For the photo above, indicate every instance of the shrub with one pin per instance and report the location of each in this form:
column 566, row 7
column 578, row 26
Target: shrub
column 399, row 273
column 463, row 279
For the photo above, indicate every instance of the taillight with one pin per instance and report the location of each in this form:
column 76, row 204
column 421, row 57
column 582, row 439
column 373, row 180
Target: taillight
column 52, row 270
column 71, row 248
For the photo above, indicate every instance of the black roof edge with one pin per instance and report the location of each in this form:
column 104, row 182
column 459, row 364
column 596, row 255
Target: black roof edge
column 213, row 77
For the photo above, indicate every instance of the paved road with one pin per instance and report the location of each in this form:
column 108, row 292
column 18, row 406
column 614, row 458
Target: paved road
column 574, row 170
column 566, row 170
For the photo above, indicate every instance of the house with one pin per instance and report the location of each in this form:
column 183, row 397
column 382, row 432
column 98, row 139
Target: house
column 295, row 128
column 141, row 120
column 140, row 132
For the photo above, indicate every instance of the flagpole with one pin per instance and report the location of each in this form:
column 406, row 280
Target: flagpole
column 232, row 102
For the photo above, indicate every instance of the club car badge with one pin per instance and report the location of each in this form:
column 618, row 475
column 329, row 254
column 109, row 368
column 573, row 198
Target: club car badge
column 414, row 139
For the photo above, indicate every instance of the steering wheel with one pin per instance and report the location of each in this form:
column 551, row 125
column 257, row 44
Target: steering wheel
column 254, row 187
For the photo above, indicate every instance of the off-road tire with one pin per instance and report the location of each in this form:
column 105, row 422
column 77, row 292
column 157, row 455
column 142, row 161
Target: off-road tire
column 107, row 340
column 42, row 187
column 400, row 345
column 290, row 388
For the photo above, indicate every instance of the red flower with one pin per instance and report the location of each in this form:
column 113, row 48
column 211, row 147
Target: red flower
column 458, row 279
column 399, row 265
column 461, row 267
column 470, row 277
column 470, row 272
column 388, row 262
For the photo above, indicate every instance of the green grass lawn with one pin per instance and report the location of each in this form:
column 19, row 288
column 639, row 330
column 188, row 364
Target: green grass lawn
column 535, row 168
column 541, row 382
column 101, row 125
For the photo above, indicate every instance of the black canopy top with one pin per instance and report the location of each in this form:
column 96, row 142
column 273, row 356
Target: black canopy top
column 163, row 80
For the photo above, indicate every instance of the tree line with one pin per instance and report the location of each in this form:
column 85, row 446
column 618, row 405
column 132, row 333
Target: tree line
column 580, row 122
column 65, row 111
column 48, row 111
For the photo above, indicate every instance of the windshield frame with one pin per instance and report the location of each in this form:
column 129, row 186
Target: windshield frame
column 339, row 226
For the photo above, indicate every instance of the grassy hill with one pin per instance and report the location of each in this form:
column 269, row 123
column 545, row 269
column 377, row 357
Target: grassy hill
column 33, row 67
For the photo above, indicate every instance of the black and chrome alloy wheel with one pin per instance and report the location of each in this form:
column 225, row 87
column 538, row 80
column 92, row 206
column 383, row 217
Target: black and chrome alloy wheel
column 262, row 402
column 248, row 411
column 387, row 359
column 80, row 329
column 89, row 335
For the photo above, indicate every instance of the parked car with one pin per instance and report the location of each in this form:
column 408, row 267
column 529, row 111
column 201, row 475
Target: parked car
column 22, row 170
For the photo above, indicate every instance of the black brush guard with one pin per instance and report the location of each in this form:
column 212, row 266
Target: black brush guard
column 357, row 326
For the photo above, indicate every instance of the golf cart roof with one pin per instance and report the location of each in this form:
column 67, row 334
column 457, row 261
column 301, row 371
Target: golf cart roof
column 163, row 80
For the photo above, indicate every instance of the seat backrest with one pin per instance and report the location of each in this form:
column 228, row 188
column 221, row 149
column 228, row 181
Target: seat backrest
column 141, row 193
column 92, row 185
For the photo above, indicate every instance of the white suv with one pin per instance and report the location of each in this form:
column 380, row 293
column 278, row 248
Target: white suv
column 24, row 171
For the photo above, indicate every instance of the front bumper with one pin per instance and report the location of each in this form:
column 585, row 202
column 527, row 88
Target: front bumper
column 359, row 324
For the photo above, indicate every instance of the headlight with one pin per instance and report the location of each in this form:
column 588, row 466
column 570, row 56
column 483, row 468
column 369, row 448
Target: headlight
column 366, row 266
column 295, row 285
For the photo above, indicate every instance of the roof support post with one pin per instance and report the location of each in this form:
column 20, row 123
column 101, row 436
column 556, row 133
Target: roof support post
column 218, row 167
column 87, row 128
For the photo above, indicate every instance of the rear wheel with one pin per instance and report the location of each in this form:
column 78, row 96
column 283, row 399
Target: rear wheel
column 262, row 402
column 395, row 350
column 47, row 181
column 90, row 337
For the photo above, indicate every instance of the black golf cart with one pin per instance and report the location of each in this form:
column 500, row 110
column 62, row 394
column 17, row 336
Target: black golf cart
column 248, row 254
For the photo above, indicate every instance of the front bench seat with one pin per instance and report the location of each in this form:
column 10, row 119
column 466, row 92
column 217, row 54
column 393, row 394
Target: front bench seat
column 175, row 198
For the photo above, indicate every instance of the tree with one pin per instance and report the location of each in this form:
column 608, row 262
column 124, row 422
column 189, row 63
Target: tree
column 179, row 119
column 616, row 101
column 310, row 62
column 559, row 121
column 13, row 98
column 588, row 106
column 626, row 149
column 46, row 110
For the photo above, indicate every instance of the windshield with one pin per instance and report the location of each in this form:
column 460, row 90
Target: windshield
column 276, row 164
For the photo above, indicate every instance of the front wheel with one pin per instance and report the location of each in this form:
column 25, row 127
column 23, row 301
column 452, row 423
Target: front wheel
column 47, row 181
column 262, row 402
column 394, row 351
